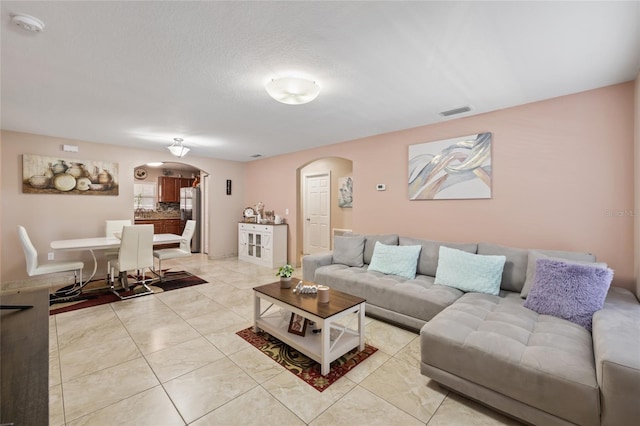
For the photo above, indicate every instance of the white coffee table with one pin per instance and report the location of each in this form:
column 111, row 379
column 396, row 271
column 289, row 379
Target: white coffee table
column 323, row 347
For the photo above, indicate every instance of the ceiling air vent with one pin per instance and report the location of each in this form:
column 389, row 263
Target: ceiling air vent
column 455, row 111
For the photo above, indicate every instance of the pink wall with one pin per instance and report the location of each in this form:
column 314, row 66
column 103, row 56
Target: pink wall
column 637, row 184
column 49, row 217
column 561, row 168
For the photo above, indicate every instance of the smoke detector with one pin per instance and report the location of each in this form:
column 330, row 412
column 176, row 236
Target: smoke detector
column 27, row 22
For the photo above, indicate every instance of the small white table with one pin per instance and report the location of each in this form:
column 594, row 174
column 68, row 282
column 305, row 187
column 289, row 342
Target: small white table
column 104, row 243
column 325, row 346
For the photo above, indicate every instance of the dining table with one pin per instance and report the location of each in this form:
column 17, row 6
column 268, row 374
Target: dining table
column 103, row 243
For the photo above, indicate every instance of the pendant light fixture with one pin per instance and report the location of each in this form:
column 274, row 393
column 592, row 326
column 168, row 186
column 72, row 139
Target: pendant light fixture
column 177, row 148
column 292, row 90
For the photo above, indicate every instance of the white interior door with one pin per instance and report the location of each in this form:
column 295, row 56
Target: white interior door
column 317, row 213
column 204, row 215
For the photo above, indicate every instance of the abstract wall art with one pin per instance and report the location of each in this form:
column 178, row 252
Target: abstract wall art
column 451, row 169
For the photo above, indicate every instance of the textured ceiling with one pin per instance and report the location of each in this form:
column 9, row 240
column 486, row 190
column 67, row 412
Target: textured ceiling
column 141, row 73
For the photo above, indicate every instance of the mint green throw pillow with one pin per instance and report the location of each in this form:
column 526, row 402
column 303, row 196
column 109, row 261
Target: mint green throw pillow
column 395, row 260
column 469, row 272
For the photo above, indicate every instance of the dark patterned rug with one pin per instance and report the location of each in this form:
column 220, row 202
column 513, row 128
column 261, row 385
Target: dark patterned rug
column 100, row 296
column 300, row 364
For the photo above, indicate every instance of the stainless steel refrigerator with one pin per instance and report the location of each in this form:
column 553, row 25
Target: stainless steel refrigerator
column 190, row 209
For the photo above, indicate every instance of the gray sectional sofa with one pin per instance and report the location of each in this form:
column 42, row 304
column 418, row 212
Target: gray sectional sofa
column 537, row 368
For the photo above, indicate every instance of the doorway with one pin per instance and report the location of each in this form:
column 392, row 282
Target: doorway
column 317, row 212
column 157, row 196
column 318, row 200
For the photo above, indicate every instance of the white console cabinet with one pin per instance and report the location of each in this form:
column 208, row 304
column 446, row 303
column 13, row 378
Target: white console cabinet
column 264, row 245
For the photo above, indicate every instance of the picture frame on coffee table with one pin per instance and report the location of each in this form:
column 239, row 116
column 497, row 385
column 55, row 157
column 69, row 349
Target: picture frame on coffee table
column 298, row 324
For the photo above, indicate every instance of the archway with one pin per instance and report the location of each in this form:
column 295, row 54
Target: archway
column 336, row 170
column 157, row 189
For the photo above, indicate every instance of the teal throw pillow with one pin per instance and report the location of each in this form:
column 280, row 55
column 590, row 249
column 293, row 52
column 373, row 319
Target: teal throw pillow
column 395, row 260
column 469, row 272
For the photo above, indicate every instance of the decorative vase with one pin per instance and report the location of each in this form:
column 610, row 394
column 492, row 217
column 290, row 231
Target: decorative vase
column 95, row 174
column 59, row 167
column 77, row 170
column 39, row 181
column 48, row 173
column 105, row 177
column 285, row 282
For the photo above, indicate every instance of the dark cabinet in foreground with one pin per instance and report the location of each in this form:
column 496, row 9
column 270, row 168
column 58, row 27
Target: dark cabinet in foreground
column 24, row 359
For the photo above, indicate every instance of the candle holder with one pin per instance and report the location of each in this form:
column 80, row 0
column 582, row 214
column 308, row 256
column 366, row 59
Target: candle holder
column 323, row 294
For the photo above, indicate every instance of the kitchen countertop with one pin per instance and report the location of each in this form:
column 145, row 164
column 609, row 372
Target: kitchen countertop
column 156, row 216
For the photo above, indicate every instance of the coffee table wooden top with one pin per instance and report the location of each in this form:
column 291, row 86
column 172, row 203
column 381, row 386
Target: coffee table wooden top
column 338, row 301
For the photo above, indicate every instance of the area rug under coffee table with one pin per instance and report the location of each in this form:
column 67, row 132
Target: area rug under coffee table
column 171, row 280
column 300, row 364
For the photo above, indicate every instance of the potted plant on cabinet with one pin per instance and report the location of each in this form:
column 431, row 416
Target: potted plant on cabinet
column 285, row 272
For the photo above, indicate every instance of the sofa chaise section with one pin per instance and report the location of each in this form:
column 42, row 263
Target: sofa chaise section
column 535, row 367
column 616, row 344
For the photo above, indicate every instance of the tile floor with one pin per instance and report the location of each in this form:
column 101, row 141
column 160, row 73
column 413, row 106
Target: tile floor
column 174, row 359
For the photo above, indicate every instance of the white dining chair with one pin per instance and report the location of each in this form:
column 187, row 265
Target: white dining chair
column 111, row 228
column 34, row 268
column 135, row 254
column 173, row 253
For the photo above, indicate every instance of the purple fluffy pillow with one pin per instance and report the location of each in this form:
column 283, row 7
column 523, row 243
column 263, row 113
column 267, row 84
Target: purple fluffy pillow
column 569, row 290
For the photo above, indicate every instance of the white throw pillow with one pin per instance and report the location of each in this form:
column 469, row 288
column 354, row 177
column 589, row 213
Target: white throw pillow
column 395, row 260
column 469, row 272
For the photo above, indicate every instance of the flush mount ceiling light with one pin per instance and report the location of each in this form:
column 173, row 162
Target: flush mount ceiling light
column 27, row 22
column 177, row 148
column 292, row 90
column 155, row 164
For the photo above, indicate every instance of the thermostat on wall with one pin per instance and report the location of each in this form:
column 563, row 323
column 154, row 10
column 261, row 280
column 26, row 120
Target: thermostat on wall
column 381, row 187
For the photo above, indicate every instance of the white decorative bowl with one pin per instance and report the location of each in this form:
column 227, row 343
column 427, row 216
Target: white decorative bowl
column 83, row 184
column 39, row 181
column 64, row 182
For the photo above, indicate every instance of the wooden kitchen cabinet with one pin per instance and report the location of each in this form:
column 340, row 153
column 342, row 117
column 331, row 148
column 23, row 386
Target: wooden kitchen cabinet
column 169, row 188
column 163, row 226
column 172, row 226
column 158, row 224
